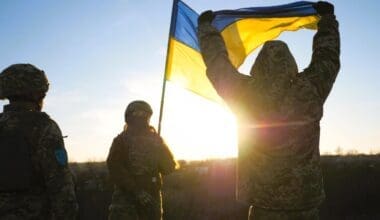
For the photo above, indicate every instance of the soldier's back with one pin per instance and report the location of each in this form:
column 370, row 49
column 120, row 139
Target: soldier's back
column 22, row 192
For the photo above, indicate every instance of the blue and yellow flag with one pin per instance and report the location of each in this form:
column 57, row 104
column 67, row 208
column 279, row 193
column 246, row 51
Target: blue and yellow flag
column 243, row 30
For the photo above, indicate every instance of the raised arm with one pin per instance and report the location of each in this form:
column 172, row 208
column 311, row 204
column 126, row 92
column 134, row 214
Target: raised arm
column 225, row 78
column 325, row 62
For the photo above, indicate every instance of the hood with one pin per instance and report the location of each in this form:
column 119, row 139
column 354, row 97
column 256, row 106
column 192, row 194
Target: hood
column 274, row 69
column 273, row 73
column 274, row 61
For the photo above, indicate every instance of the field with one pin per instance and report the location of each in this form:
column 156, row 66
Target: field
column 205, row 190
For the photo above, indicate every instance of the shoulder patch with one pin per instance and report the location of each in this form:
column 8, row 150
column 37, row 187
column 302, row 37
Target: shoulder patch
column 61, row 156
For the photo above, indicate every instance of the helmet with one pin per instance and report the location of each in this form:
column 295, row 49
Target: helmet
column 22, row 79
column 138, row 108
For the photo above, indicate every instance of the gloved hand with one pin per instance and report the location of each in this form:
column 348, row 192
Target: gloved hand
column 144, row 198
column 324, row 8
column 206, row 16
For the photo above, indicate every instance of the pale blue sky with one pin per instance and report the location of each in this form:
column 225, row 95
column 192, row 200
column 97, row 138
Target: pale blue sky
column 100, row 55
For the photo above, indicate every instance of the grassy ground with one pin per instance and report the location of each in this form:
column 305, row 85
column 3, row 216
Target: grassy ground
column 206, row 190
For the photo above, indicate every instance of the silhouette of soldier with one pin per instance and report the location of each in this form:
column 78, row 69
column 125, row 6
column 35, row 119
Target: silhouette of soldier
column 278, row 111
column 137, row 159
column 35, row 180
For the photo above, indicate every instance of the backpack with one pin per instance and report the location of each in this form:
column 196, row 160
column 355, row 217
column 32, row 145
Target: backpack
column 16, row 168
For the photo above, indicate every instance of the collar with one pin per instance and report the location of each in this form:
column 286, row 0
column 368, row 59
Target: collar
column 21, row 106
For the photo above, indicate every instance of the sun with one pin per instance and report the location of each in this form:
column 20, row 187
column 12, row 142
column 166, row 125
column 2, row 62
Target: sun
column 197, row 129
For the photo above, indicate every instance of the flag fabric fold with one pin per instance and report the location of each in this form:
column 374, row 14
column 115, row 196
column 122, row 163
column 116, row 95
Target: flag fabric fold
column 243, row 30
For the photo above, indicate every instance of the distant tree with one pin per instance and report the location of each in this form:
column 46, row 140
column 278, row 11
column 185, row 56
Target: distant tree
column 182, row 163
column 339, row 150
column 352, row 152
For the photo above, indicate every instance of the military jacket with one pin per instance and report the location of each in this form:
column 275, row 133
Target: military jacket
column 51, row 193
column 136, row 161
column 278, row 159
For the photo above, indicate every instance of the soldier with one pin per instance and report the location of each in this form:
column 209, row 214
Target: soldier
column 278, row 111
column 137, row 159
column 35, row 180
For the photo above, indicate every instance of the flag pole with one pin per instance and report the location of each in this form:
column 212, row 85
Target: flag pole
column 171, row 30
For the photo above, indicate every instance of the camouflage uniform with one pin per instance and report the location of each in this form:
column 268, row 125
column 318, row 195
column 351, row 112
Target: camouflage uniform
column 136, row 162
column 278, row 112
column 40, row 162
column 265, row 214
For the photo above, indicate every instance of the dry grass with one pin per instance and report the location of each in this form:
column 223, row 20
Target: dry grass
column 205, row 189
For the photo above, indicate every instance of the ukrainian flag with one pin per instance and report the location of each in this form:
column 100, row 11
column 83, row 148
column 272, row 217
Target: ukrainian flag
column 243, row 30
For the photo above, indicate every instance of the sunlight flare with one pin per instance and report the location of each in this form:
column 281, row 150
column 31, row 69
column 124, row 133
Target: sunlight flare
column 196, row 128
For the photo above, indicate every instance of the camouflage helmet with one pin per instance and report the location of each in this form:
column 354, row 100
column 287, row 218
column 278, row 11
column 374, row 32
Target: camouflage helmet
column 138, row 108
column 22, row 79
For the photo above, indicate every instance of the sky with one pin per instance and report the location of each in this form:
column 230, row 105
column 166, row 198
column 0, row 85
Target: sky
column 101, row 55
